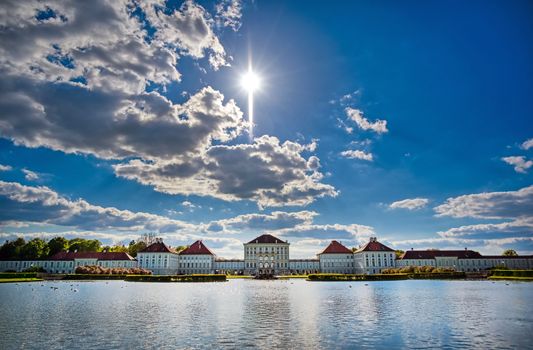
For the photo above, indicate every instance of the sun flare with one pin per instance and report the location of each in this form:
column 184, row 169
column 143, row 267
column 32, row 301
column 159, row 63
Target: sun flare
column 250, row 81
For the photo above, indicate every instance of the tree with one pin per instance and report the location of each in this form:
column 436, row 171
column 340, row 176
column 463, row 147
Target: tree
column 119, row 249
column 57, row 245
column 510, row 252
column 135, row 247
column 84, row 245
column 11, row 249
column 398, row 253
column 180, row 248
column 34, row 249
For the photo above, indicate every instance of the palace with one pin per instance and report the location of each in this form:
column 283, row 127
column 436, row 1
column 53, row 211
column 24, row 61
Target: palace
column 269, row 255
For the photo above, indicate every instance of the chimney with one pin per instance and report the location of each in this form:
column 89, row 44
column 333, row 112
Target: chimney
column 411, row 248
column 466, row 248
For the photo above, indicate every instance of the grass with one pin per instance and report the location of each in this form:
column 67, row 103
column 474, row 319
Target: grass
column 235, row 277
column 16, row 280
column 510, row 278
column 512, row 273
column 11, row 275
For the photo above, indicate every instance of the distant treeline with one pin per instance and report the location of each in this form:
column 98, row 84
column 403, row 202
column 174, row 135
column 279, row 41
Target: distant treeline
column 38, row 248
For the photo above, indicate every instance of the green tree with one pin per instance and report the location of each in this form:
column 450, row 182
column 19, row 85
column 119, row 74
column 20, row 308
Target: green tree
column 135, row 247
column 11, row 249
column 118, row 249
column 180, row 248
column 84, row 245
column 399, row 253
column 57, row 245
column 34, row 249
column 510, row 252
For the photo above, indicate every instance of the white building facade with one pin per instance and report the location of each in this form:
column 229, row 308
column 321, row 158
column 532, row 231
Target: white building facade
column 229, row 266
column 67, row 262
column 196, row 259
column 304, row 266
column 336, row 258
column 159, row 258
column 373, row 257
column 462, row 260
column 266, row 255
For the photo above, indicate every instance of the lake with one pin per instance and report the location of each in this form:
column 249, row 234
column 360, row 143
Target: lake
column 267, row 314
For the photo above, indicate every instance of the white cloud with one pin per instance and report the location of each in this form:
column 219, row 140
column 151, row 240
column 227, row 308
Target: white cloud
column 255, row 222
column 512, row 208
column 108, row 112
column 523, row 225
column 519, row 163
column 190, row 28
column 489, row 205
column 5, row 167
column 30, row 175
column 229, row 13
column 527, row 144
column 43, row 205
column 23, row 205
column 188, row 204
column 410, row 204
column 267, row 172
column 342, row 125
column 357, row 154
column 118, row 126
column 379, row 126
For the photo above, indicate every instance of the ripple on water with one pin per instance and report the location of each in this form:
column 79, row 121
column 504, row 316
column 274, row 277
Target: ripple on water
column 266, row 314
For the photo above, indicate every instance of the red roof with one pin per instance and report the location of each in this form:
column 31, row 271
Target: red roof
column 266, row 238
column 432, row 254
column 197, row 248
column 374, row 246
column 91, row 255
column 157, row 247
column 507, row 257
column 336, row 248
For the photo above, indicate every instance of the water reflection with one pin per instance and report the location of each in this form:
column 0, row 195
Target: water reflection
column 267, row 314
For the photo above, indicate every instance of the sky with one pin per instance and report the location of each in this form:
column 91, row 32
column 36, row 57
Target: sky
column 410, row 122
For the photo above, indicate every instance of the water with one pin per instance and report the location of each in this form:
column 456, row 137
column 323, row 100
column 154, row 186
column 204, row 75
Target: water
column 267, row 314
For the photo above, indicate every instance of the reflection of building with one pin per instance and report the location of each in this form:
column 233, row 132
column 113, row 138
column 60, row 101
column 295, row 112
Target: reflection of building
column 196, row 258
column 462, row 260
column 266, row 255
column 336, row 258
column 373, row 257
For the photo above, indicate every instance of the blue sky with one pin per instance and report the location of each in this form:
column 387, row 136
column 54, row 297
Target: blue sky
column 407, row 121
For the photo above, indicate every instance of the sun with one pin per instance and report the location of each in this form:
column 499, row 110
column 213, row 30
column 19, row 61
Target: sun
column 250, row 82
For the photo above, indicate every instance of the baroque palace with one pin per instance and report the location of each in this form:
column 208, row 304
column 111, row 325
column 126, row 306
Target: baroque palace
column 269, row 255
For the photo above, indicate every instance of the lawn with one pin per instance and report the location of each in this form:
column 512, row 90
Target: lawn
column 13, row 280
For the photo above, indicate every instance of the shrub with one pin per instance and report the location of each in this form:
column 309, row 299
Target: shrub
column 407, row 269
column 513, row 273
column 442, row 270
column 18, row 275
